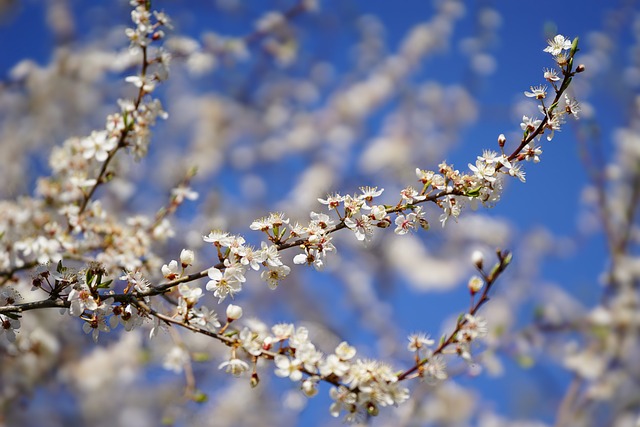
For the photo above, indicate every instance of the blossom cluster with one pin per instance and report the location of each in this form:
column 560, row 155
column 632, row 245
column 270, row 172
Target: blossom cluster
column 361, row 386
column 237, row 257
column 73, row 222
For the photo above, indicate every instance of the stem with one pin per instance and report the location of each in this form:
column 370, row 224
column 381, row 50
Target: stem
column 484, row 298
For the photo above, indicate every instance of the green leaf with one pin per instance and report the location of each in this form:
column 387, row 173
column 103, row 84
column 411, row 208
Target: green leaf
column 201, row 357
column 199, row 397
column 88, row 277
column 574, row 46
column 507, row 259
column 105, row 285
column 475, row 192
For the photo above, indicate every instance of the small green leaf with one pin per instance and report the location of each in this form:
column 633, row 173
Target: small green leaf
column 201, row 357
column 88, row 277
column 199, row 397
column 574, row 47
column 474, row 192
column 105, row 285
column 507, row 259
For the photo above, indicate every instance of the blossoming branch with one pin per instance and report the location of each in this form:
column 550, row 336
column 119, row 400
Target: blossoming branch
column 105, row 265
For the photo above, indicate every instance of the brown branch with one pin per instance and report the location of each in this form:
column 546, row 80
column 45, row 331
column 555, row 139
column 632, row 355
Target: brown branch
column 35, row 305
column 568, row 75
column 504, row 260
column 123, row 136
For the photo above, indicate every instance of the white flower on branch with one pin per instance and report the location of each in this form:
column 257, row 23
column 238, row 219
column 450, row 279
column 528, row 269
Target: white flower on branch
column 529, row 124
column 218, row 238
column 483, row 170
column 98, row 145
column 532, row 152
column 282, row 331
column 271, row 255
column 8, row 327
column 344, row 351
column 557, row 45
column 234, row 366
column 81, row 299
column 551, row 75
column 187, row 257
column 250, row 257
column 97, row 322
column 332, row 365
column 419, row 341
column 204, row 318
column 362, row 227
column 404, row 224
column 411, row 195
column 225, row 284
column 171, row 271
column 288, row 368
column 274, row 274
column 251, row 342
column 537, row 92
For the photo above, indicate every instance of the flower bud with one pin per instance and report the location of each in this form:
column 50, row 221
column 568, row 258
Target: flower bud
column 234, row 312
column 255, row 380
column 169, row 271
column 372, row 409
column 309, row 388
column 580, row 68
column 267, row 343
column 506, row 258
column 477, row 258
column 475, row 284
column 501, row 140
column 384, row 223
column 186, row 257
